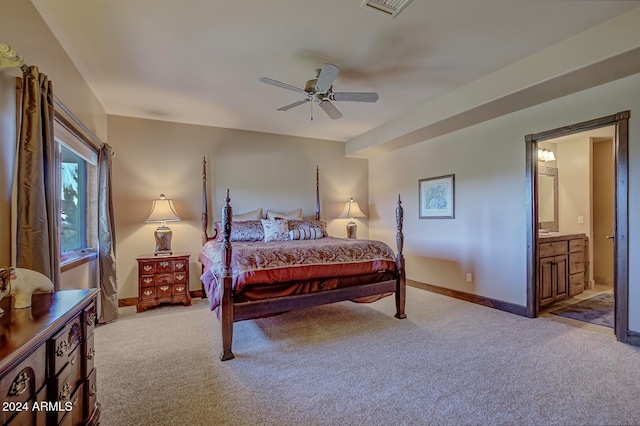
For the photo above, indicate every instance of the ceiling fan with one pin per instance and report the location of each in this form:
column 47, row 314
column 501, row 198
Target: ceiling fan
column 320, row 90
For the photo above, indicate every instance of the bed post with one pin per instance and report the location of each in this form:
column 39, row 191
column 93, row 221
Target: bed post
column 205, row 208
column 226, row 299
column 401, row 285
column 317, row 193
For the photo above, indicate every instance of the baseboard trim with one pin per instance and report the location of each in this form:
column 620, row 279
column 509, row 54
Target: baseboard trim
column 633, row 338
column 133, row 301
column 473, row 298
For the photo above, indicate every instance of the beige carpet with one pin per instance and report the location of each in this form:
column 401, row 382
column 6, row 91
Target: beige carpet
column 449, row 363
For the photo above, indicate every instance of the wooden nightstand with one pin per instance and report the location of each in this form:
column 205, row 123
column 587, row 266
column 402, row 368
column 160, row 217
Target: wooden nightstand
column 163, row 279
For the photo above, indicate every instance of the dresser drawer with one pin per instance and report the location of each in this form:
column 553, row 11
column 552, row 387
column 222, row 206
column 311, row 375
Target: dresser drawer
column 22, row 382
column 90, row 320
column 164, row 291
column 576, row 262
column 63, row 388
column 552, row 249
column 28, row 415
column 147, row 281
column 63, row 343
column 164, row 266
column 91, row 392
column 77, row 406
column 90, row 354
column 148, row 293
column 576, row 245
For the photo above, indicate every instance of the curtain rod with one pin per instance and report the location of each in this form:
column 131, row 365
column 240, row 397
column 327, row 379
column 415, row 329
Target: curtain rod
column 10, row 59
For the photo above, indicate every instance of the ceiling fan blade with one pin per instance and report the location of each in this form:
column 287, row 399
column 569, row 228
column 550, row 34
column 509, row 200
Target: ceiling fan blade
column 293, row 105
column 280, row 84
column 354, row 96
column 330, row 109
column 327, row 76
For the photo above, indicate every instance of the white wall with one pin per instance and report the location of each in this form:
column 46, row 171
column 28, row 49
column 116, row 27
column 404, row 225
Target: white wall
column 487, row 237
column 261, row 170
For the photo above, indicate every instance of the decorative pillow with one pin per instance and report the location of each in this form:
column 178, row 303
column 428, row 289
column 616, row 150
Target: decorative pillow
column 292, row 215
column 309, row 224
column 275, row 230
column 243, row 230
column 252, row 215
column 306, row 234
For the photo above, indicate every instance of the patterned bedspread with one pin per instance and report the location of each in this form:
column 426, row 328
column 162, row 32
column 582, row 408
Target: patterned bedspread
column 285, row 261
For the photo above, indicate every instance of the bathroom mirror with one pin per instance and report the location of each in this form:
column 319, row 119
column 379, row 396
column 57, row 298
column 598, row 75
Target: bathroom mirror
column 548, row 198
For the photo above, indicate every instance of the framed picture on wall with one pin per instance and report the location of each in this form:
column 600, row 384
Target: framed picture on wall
column 436, row 197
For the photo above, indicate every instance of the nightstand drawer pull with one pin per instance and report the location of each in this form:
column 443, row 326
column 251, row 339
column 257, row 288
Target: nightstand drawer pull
column 180, row 289
column 180, row 265
column 164, row 288
column 148, row 293
column 148, row 280
column 164, row 264
column 19, row 384
column 147, row 268
column 180, row 277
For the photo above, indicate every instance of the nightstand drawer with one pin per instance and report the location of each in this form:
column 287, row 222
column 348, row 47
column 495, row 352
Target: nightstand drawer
column 147, row 281
column 180, row 278
column 180, row 265
column 148, row 293
column 179, row 289
column 147, row 268
column 164, row 291
column 164, row 266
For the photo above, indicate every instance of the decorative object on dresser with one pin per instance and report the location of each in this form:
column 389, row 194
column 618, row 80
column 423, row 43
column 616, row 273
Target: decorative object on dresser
column 162, row 211
column 24, row 283
column 47, row 371
column 163, row 280
column 562, row 265
column 5, row 284
column 351, row 210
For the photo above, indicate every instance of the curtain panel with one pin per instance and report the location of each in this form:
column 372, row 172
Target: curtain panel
column 106, row 238
column 37, row 224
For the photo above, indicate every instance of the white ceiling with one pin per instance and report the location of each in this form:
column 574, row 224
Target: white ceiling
column 199, row 61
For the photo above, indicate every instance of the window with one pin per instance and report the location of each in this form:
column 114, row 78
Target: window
column 77, row 188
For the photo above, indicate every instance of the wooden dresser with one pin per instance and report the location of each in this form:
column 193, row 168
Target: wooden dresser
column 163, row 279
column 47, row 371
column 562, row 259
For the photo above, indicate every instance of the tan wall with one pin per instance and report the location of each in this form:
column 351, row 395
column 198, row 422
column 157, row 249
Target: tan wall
column 487, row 237
column 261, row 170
column 24, row 30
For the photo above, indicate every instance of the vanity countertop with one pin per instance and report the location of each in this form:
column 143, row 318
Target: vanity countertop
column 547, row 237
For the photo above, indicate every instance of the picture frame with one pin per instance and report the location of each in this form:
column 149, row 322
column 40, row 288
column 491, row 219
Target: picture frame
column 436, row 197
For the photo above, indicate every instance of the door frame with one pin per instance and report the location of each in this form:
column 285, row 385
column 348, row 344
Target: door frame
column 621, row 215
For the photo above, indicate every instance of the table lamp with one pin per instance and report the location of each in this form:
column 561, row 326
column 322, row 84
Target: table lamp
column 162, row 211
column 351, row 210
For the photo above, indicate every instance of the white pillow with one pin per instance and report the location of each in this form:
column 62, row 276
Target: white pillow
column 252, row 215
column 275, row 230
column 292, row 215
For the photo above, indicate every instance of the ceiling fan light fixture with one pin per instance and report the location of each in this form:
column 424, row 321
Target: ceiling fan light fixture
column 388, row 8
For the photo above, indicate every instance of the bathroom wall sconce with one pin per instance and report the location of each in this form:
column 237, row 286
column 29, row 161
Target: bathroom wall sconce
column 545, row 155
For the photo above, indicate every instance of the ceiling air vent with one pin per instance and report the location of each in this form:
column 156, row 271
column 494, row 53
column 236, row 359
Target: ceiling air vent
column 388, row 8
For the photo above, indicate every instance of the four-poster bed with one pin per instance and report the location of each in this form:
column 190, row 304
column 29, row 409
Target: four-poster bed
column 247, row 278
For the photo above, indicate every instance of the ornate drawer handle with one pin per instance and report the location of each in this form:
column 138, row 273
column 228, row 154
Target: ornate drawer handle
column 91, row 353
column 147, row 268
column 19, row 384
column 164, row 288
column 93, row 390
column 180, row 289
column 148, row 293
column 148, row 280
column 180, row 277
column 65, row 392
column 164, row 264
column 92, row 319
column 73, row 360
column 180, row 265
column 63, row 348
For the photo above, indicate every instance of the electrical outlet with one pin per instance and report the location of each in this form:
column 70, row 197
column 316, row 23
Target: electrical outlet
column 580, row 219
column 469, row 277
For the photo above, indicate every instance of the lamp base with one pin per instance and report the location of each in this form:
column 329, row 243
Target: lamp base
column 352, row 228
column 163, row 241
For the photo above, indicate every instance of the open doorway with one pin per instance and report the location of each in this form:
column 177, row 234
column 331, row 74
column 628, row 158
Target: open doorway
column 589, row 219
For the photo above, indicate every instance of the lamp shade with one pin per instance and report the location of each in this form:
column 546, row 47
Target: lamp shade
column 163, row 211
column 351, row 209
